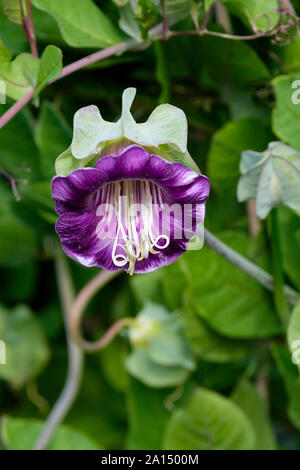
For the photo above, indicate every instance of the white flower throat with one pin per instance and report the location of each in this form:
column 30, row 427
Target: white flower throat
column 131, row 216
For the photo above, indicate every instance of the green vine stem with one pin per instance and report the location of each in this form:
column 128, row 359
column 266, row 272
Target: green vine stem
column 104, row 277
column 73, row 311
column 75, row 357
column 279, row 291
column 162, row 73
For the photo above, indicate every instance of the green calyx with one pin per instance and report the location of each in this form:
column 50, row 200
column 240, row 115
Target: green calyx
column 164, row 133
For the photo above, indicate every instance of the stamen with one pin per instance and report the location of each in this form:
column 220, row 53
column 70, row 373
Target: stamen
column 136, row 207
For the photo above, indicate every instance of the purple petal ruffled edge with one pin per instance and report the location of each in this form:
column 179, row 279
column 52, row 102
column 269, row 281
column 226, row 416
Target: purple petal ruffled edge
column 73, row 195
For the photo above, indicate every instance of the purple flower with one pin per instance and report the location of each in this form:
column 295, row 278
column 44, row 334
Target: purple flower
column 134, row 211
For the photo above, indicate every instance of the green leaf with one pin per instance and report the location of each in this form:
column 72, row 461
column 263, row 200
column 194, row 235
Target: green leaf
column 225, row 151
column 293, row 335
column 209, row 345
column 229, row 301
column 209, row 421
column 50, row 67
column 176, row 10
column 18, row 283
column 286, row 114
column 290, row 375
column 18, row 242
column 53, row 135
column 289, row 227
column 263, row 14
column 19, row 75
column 128, row 23
column 290, row 56
column 248, row 399
column 21, row 434
column 143, row 419
column 233, row 62
column 26, row 348
column 12, row 10
column 147, row 288
column 112, row 363
column 82, row 24
column 20, row 156
column 153, row 374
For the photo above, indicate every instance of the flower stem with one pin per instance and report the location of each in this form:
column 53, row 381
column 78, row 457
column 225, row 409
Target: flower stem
column 75, row 358
column 279, row 294
column 83, row 298
column 248, row 266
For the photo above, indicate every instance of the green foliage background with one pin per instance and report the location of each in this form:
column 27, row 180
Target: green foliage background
column 243, row 391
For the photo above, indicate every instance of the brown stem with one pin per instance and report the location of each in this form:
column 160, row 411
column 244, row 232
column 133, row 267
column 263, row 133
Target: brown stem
column 206, row 32
column 81, row 301
column 31, row 33
column 97, row 56
column 287, row 6
column 207, row 16
column 253, row 221
column 223, row 18
column 12, row 181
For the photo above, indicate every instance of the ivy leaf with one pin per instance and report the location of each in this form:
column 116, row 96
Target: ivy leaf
column 263, row 14
column 50, row 67
column 209, row 421
column 230, row 302
column 286, row 114
column 143, row 419
column 82, row 24
column 21, row 164
column 26, row 348
column 153, row 374
column 248, row 399
column 290, row 375
column 21, row 434
column 289, row 226
column 19, row 74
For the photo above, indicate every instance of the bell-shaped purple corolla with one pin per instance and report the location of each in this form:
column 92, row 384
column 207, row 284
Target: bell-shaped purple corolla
column 135, row 211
